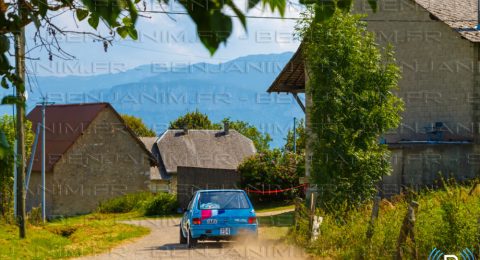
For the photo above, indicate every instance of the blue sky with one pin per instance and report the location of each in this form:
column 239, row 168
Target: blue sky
column 163, row 39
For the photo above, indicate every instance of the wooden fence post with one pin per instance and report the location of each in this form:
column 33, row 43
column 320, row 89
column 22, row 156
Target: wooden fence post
column 297, row 215
column 373, row 217
column 407, row 231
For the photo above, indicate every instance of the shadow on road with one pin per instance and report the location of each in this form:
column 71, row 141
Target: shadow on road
column 201, row 245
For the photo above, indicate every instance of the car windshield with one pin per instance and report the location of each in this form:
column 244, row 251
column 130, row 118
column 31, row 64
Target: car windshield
column 223, row 200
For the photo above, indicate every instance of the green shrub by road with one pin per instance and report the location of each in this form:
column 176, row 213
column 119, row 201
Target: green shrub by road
column 143, row 203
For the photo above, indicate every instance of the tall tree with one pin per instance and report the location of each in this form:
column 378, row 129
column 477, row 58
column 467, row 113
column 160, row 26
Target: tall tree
column 350, row 83
column 138, row 126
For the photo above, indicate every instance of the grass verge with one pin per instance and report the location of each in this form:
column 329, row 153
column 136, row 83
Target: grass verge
column 70, row 237
column 446, row 219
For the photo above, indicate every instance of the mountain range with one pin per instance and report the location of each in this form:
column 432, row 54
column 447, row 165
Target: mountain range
column 159, row 93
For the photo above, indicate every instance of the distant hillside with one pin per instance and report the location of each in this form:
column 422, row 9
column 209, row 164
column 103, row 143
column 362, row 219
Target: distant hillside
column 159, row 94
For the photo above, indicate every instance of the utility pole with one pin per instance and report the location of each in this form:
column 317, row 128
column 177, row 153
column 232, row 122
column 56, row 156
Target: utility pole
column 43, row 159
column 20, row 131
column 295, row 134
column 44, row 205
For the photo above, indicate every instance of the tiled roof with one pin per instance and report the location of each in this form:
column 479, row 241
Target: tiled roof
column 204, row 148
column 460, row 15
column 65, row 124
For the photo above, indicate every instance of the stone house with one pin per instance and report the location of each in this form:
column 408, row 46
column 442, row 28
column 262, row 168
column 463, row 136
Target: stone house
column 91, row 156
column 437, row 47
column 187, row 153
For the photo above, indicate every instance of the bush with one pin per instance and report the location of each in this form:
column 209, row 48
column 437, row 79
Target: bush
column 273, row 170
column 124, row 204
column 161, row 204
column 146, row 203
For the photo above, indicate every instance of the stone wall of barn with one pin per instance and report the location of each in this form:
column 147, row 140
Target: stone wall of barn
column 439, row 83
column 438, row 69
column 105, row 162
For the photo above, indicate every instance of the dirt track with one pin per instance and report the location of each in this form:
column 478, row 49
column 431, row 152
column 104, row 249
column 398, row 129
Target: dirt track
column 163, row 243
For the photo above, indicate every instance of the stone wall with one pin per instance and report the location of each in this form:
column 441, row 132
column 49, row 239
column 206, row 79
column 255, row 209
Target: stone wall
column 105, row 162
column 438, row 69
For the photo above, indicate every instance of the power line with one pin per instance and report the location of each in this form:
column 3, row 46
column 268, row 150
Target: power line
column 246, row 16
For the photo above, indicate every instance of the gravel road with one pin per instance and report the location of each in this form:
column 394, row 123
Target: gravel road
column 163, row 243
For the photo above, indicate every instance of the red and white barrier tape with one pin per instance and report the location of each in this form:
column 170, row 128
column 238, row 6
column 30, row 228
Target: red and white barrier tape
column 274, row 191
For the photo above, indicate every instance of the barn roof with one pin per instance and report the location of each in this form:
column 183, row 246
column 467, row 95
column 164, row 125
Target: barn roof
column 292, row 78
column 204, row 148
column 460, row 15
column 64, row 125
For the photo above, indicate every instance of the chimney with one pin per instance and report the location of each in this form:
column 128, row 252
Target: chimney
column 226, row 128
column 185, row 130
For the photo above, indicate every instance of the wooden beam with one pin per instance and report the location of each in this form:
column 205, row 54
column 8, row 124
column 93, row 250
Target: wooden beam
column 302, row 106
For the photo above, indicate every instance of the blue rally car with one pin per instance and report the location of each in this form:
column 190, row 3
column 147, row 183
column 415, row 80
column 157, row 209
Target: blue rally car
column 217, row 215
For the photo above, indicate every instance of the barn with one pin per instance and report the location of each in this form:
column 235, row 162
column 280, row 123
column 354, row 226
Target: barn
column 91, row 156
column 202, row 159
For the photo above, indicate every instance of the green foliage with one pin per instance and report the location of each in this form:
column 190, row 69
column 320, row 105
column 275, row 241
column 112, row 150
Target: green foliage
column 455, row 219
column 324, row 9
column 138, row 127
column 126, row 203
column 260, row 140
column 350, row 83
column 301, row 138
column 271, row 170
column 161, row 204
column 7, row 123
column 446, row 220
column 144, row 202
column 192, row 120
